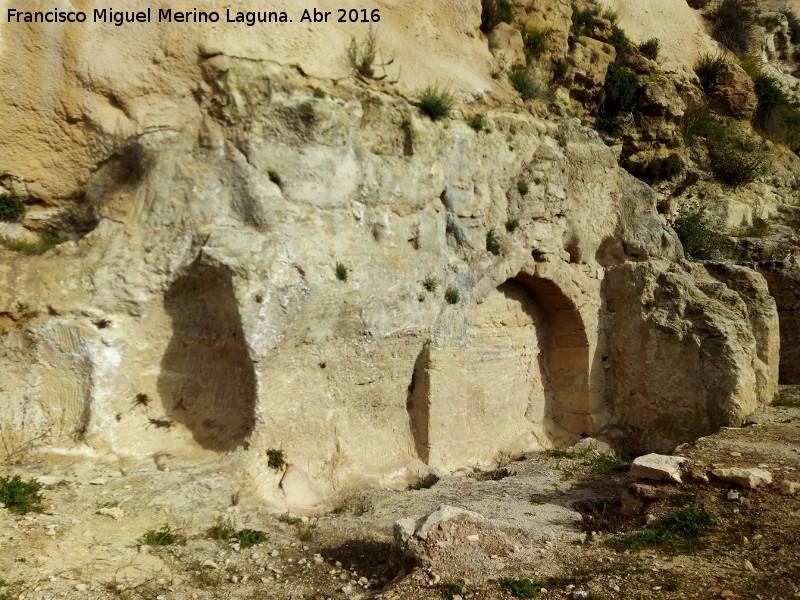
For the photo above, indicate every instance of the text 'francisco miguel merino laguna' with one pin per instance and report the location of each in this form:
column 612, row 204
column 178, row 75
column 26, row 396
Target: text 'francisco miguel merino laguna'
column 168, row 15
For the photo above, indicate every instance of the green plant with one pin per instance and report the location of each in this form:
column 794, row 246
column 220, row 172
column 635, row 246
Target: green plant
column 621, row 88
column 699, row 240
column 785, row 400
column 621, row 42
column 422, row 484
column 794, row 25
column 536, row 41
column 305, row 531
column 735, row 161
column 289, row 519
column 494, row 12
column 48, row 239
column 609, row 14
column 560, row 69
column 451, row 295
column 430, row 283
column 650, row 48
column 341, row 509
column 512, row 225
column 436, row 102
column 682, row 500
column 363, row 56
column 11, row 208
column 477, row 122
column 275, row 459
column 707, row 69
column 221, row 530
column 759, row 228
column 247, row 538
column 141, row 399
column 680, row 533
column 526, row 86
column 523, row 187
column 649, row 305
column 161, row 537
column 604, row 464
column 451, row 588
column 733, row 24
column 561, row 452
column 697, row 4
column 274, row 177
column 520, row 588
column 20, row 497
column 319, row 93
column 492, row 242
column 777, row 116
column 583, row 21
column 342, row 272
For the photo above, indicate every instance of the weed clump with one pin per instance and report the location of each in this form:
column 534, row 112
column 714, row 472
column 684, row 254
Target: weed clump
column 11, row 208
column 274, row 178
column 707, row 69
column 436, row 102
column 492, row 242
column 698, row 4
column 785, row 400
column 733, row 24
column 451, row 588
column 161, row 537
column 276, row 459
column 536, row 41
column 451, row 295
column 477, row 122
column 342, row 272
column 650, row 48
column 512, row 225
column 247, row 538
column 523, row 187
column 680, row 533
column 699, row 240
column 20, row 497
column 221, row 530
column 526, row 86
column 520, row 588
column 48, row 239
column 419, row 485
column 363, row 57
column 430, row 283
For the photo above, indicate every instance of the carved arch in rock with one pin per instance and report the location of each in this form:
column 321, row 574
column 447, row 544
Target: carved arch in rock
column 522, row 365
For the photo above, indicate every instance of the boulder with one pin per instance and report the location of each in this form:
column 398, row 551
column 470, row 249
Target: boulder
column 298, row 490
column 658, row 467
column 788, row 488
column 749, row 478
column 592, row 445
column 735, row 94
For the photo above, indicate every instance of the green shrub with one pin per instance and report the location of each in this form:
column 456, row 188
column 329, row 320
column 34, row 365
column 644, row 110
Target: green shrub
column 794, row 26
column 520, row 588
column 733, row 24
column 494, row 12
column 680, row 533
column 48, row 239
column 621, row 43
column 342, row 273
column 523, row 187
column 363, row 56
column 735, row 161
column 512, row 225
column 536, row 41
column 274, row 178
column 785, row 400
column 759, row 228
column 11, row 208
column 161, row 537
column 451, row 588
column 707, row 69
column 649, row 305
column 526, row 86
column 20, row 497
column 435, row 102
column 650, row 48
column 276, row 459
column 777, row 117
column 477, row 122
column 697, row 4
column 340, row 510
column 621, row 88
column 611, row 15
column 247, row 538
column 419, row 485
column 699, row 240
column 430, row 283
column 451, row 295
column 583, row 21
column 492, row 242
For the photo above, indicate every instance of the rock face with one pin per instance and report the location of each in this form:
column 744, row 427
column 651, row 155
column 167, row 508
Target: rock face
column 735, row 94
column 784, row 285
column 200, row 312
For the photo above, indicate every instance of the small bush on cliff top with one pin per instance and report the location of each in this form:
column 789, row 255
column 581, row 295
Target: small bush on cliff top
column 526, row 86
column 536, row 40
column 650, row 48
column 707, row 69
column 11, row 208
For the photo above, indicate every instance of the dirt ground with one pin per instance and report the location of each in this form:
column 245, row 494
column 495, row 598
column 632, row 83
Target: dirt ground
column 549, row 519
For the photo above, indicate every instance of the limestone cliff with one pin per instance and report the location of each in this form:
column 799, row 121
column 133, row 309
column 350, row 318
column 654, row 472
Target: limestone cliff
column 262, row 245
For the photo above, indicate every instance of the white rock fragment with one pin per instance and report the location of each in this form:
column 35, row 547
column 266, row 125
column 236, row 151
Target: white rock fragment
column 658, row 467
column 114, row 512
column 748, row 478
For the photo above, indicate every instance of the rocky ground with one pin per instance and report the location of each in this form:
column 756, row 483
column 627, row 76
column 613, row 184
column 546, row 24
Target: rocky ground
column 88, row 541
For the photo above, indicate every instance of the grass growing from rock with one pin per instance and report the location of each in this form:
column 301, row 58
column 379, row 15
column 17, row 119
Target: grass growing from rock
column 526, row 86
column 342, row 272
column 451, row 295
column 699, row 240
column 276, row 459
column 247, row 538
column 452, row 588
column 11, row 208
column 492, row 242
column 430, row 283
column 20, row 497
column 784, row 400
column 48, row 239
column 512, row 225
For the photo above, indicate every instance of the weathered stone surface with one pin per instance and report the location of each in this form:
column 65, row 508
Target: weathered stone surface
column 653, row 100
column 654, row 319
column 735, row 94
column 658, row 467
column 749, row 478
column 299, row 491
column 783, row 279
column 789, row 488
